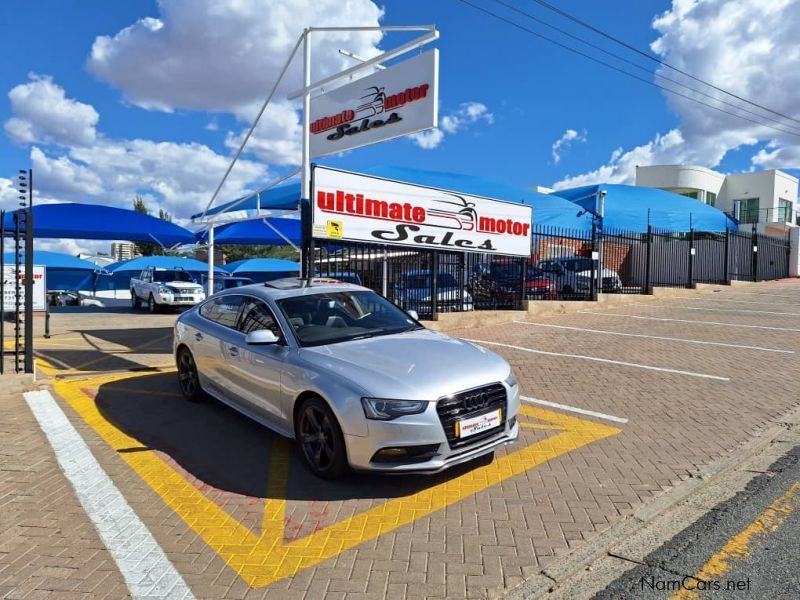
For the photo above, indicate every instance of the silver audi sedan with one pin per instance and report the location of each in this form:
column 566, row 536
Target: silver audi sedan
column 358, row 382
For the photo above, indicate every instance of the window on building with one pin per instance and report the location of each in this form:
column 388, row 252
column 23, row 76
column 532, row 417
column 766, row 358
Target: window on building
column 784, row 211
column 711, row 198
column 748, row 210
column 690, row 194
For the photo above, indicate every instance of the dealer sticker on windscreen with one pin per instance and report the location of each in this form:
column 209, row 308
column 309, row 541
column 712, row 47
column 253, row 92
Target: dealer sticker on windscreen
column 473, row 425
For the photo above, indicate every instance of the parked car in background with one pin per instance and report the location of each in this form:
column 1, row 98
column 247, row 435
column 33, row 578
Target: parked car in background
column 412, row 291
column 355, row 380
column 497, row 284
column 226, row 283
column 573, row 275
column 165, row 288
column 345, row 277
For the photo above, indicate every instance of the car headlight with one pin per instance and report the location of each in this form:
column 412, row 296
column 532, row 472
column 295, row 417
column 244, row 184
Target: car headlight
column 511, row 381
column 380, row 409
column 162, row 289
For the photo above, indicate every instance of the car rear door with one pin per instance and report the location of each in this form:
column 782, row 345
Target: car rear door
column 260, row 368
column 215, row 337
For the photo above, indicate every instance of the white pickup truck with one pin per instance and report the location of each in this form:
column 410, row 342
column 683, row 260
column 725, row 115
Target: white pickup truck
column 165, row 288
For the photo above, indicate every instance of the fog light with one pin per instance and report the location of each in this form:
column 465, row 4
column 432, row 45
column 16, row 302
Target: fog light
column 405, row 454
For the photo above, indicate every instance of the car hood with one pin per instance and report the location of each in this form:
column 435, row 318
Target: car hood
column 416, row 365
column 186, row 285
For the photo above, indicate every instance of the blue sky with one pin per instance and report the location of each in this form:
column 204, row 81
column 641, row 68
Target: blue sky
column 533, row 91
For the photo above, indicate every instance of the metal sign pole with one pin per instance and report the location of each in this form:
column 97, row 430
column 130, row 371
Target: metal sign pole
column 210, row 256
column 305, row 167
column 2, row 292
column 16, row 291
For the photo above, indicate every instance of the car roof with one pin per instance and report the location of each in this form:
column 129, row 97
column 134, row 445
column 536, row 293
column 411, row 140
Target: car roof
column 291, row 287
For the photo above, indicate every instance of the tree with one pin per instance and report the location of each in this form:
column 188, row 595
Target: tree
column 147, row 248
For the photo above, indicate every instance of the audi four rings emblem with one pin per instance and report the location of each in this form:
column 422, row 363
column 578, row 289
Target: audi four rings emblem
column 476, row 401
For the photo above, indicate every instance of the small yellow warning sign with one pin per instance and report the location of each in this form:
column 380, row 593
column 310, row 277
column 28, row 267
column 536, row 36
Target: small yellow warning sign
column 335, row 230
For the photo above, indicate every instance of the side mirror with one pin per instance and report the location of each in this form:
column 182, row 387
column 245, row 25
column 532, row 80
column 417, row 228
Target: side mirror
column 413, row 314
column 261, row 337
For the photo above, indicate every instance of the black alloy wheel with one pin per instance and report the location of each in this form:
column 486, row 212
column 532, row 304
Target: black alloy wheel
column 135, row 301
column 321, row 439
column 188, row 378
column 152, row 307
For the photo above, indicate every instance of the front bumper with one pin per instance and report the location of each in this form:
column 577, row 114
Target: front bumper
column 179, row 300
column 426, row 429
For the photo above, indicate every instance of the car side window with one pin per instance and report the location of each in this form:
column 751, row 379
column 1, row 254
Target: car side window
column 223, row 310
column 255, row 316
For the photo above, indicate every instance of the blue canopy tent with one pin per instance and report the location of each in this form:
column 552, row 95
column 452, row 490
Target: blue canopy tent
column 121, row 273
column 630, row 208
column 257, row 232
column 263, row 269
column 62, row 271
column 547, row 209
column 97, row 222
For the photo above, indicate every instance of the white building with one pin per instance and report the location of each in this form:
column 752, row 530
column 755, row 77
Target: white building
column 767, row 199
column 123, row 250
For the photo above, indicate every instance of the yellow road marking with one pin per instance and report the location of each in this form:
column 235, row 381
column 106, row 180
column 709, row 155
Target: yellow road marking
column 739, row 546
column 264, row 558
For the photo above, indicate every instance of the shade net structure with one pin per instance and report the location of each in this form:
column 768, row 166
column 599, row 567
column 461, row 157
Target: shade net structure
column 548, row 210
column 62, row 271
column 97, row 222
column 263, row 269
column 276, row 231
column 631, row 208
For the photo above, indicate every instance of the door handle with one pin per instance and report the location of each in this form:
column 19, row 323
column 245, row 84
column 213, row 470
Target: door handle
column 233, row 351
column 198, row 336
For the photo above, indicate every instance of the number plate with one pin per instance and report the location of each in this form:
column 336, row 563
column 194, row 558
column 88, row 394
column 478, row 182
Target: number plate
column 473, row 425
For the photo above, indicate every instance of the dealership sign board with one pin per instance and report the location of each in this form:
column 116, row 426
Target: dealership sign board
column 396, row 101
column 354, row 207
column 9, row 289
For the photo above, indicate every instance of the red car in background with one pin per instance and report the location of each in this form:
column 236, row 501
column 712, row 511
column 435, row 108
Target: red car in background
column 497, row 284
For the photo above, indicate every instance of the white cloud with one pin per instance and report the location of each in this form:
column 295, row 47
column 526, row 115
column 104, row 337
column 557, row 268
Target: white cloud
column 178, row 177
column 221, row 55
column 225, row 55
column 563, row 143
column 43, row 114
column 467, row 114
column 748, row 47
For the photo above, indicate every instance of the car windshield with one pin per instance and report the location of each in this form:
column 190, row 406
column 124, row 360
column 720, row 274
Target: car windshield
column 165, row 276
column 578, row 264
column 334, row 317
column 423, row 281
column 234, row 283
column 511, row 272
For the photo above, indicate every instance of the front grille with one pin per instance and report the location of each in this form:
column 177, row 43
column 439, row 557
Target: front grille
column 471, row 403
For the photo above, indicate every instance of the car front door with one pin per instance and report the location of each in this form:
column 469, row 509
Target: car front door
column 261, row 367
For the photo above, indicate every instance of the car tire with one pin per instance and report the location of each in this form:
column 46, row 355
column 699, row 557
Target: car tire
column 320, row 439
column 136, row 302
column 188, row 377
column 152, row 305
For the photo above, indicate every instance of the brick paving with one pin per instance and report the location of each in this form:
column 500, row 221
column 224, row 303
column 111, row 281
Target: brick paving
column 475, row 548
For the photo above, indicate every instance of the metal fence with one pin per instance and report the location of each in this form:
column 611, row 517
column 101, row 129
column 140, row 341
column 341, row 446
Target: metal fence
column 564, row 265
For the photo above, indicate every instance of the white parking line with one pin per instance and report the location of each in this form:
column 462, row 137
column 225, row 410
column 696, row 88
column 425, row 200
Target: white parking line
column 736, row 310
column 603, row 360
column 718, row 299
column 742, row 325
column 146, row 569
column 575, row 409
column 767, row 295
column 658, row 337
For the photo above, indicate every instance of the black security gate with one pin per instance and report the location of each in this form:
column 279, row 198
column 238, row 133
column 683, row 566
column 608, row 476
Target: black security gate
column 16, row 279
column 411, row 277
